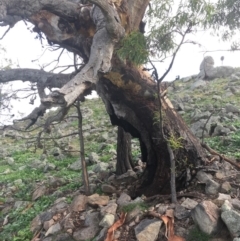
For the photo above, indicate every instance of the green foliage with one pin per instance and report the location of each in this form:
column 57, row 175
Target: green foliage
column 133, row 48
column 232, row 143
column 175, row 143
column 168, row 24
column 197, row 235
column 129, row 207
column 18, row 228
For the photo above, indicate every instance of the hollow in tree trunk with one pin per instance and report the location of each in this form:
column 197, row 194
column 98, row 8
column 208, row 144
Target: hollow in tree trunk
column 124, row 152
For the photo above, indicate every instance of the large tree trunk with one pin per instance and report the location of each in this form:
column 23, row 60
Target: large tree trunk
column 134, row 107
column 129, row 94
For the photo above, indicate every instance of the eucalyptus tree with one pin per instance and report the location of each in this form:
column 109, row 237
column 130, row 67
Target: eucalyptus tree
column 115, row 46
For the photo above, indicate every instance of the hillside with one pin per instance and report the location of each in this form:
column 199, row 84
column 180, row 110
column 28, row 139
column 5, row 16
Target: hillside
column 41, row 192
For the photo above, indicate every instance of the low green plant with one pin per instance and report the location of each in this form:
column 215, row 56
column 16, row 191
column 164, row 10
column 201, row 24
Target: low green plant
column 175, row 143
column 195, row 234
column 131, row 206
column 18, row 228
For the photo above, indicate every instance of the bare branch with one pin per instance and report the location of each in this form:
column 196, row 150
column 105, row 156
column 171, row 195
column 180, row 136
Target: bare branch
column 5, row 33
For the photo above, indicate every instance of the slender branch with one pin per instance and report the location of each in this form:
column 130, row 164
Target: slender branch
column 5, row 33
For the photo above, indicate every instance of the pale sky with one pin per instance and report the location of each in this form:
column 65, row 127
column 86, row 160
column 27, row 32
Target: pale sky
column 22, row 48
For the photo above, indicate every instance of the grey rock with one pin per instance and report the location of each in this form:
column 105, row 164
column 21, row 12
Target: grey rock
column 236, row 239
column 231, row 108
column 101, row 235
column 133, row 213
column 206, row 67
column 62, row 237
column 106, row 188
column 55, row 151
column 189, row 203
column 76, row 166
column 206, row 215
column 128, row 177
column 10, row 161
column 212, row 187
column 236, row 203
column 37, row 164
column 59, row 207
column 91, row 229
column 226, row 206
column 93, row 158
column 79, row 203
column 223, row 196
column 233, row 77
column 36, row 224
column 97, row 200
column 148, row 229
column 111, row 208
column 67, row 222
column 53, row 229
column 21, row 204
column 226, row 187
column 123, row 199
column 232, row 220
column 203, row 177
column 181, row 212
column 107, row 221
column 101, row 166
column 40, row 191
column 197, row 84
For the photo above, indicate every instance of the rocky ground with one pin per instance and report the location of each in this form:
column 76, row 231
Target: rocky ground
column 41, row 192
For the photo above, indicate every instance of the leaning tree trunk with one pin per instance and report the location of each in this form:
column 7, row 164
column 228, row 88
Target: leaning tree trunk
column 124, row 152
column 134, row 107
column 94, row 32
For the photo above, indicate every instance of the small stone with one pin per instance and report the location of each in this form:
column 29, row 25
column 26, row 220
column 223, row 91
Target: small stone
column 189, row 203
column 133, row 213
column 108, row 188
column 53, row 229
column 107, row 221
column 79, row 203
column 111, row 208
column 123, row 199
column 202, row 177
column 40, row 191
column 219, row 175
column 226, row 187
column 148, row 230
column 36, row 224
column 236, row 203
column 96, row 200
column 101, row 235
column 181, row 212
column 224, row 197
column 48, row 224
column 226, row 206
column 212, row 187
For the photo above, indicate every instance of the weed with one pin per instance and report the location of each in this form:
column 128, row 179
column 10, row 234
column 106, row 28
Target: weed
column 197, row 235
column 129, row 207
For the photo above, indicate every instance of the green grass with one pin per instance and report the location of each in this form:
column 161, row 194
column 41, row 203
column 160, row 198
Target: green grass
column 232, row 149
column 18, row 228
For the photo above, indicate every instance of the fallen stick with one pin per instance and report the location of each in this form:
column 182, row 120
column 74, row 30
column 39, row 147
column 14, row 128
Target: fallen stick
column 213, row 152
